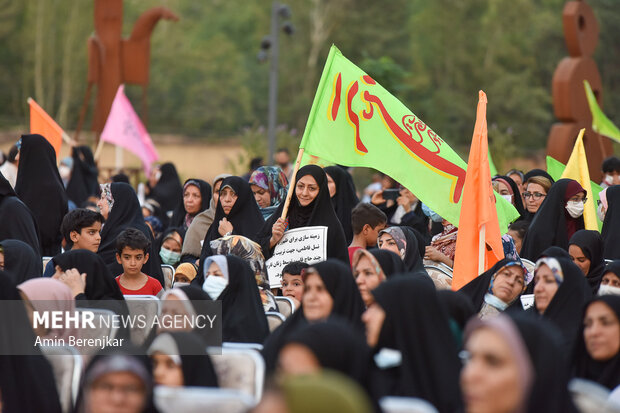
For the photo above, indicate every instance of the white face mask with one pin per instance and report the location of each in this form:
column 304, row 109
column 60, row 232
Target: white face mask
column 178, row 284
column 507, row 198
column 64, row 171
column 608, row 290
column 600, row 212
column 609, row 180
column 214, row 286
column 575, row 208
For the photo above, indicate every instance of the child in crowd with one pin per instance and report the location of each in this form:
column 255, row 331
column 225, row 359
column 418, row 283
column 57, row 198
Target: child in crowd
column 184, row 274
column 132, row 253
column 292, row 282
column 366, row 220
column 81, row 230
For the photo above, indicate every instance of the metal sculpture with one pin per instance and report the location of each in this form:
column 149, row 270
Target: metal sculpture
column 113, row 60
column 569, row 98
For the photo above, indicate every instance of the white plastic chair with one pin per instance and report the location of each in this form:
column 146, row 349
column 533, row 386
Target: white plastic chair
column 239, row 369
column 45, row 260
column 286, row 307
column 147, row 305
column 529, row 265
column 392, row 404
column 66, row 364
column 274, row 319
column 168, row 271
column 201, row 399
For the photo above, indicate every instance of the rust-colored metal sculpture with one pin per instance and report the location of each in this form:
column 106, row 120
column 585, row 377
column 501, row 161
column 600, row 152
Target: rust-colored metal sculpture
column 113, row 60
column 569, row 98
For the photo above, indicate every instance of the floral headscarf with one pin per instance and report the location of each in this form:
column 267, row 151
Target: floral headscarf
column 106, row 193
column 555, row 267
column 399, row 237
column 273, row 180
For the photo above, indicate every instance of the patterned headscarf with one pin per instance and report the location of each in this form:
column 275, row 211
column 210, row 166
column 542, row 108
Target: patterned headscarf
column 272, row 180
column 106, row 193
column 399, row 237
column 555, row 267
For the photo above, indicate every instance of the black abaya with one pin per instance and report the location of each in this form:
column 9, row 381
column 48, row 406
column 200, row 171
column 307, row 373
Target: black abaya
column 39, row 186
column 319, row 212
column 17, row 220
column 83, row 182
column 390, row 262
column 20, row 261
column 591, row 245
column 179, row 216
column 610, row 233
column 168, row 190
column 477, row 288
column 345, row 198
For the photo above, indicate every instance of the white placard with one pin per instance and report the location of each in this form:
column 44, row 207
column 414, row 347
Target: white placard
column 527, row 300
column 305, row 244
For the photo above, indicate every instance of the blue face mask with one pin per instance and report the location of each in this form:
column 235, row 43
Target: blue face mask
column 431, row 214
column 169, row 257
column 214, row 286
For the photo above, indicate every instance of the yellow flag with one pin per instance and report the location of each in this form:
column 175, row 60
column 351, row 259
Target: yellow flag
column 577, row 169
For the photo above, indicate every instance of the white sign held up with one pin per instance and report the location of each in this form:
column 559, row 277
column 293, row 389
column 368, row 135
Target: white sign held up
column 306, row 244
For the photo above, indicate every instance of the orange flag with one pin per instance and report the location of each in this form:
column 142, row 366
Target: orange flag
column 44, row 125
column 479, row 240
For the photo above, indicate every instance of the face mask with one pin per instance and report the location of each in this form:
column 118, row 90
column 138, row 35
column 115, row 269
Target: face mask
column 387, row 358
column 214, row 286
column 64, row 171
column 575, row 208
column 431, row 214
column 600, row 212
column 169, row 257
column 609, row 180
column 180, row 284
column 608, row 290
column 507, row 198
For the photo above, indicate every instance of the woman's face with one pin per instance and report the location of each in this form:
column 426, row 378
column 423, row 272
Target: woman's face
column 536, row 197
column 214, row 270
column 173, row 308
column 119, row 392
column 192, row 199
column 366, row 278
column 165, row 371
column 503, row 189
column 386, row 242
column 173, row 243
column 517, row 180
column 104, row 207
column 490, row 380
column 216, row 191
column 145, row 211
column 579, row 258
column 317, row 302
column 297, row 359
column 610, row 279
column 306, row 190
column 601, row 331
column 508, row 283
column 373, row 319
column 262, row 197
column 331, row 185
column 228, row 197
column 545, row 287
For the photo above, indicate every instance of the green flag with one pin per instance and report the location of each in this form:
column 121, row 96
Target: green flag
column 492, row 165
column 600, row 123
column 356, row 122
column 556, row 168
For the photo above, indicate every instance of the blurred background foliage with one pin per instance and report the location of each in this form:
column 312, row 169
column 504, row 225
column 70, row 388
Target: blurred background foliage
column 206, row 82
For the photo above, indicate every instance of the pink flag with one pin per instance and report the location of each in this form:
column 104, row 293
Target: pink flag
column 124, row 128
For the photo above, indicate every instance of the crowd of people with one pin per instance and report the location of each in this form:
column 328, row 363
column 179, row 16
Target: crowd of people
column 371, row 321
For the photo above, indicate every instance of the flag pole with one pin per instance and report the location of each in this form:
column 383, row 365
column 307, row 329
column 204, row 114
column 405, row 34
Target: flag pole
column 481, row 249
column 291, row 184
column 98, row 150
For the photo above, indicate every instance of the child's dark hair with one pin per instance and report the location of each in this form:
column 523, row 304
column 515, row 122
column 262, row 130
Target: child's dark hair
column 134, row 239
column 76, row 220
column 365, row 213
column 520, row 227
column 294, row 268
column 611, row 164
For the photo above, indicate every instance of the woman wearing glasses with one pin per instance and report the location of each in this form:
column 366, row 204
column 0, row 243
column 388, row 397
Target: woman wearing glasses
column 536, row 190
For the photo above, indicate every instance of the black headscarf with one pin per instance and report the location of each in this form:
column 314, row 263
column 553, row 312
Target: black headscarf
column 245, row 216
column 345, row 198
column 198, row 370
column 537, row 172
column 591, row 245
column 337, row 346
column 477, row 288
column 20, row 261
column 18, row 222
column 606, row 373
column 548, row 390
column 458, row 306
column 430, row 365
column 517, row 201
column 555, row 252
column 319, row 212
column 565, row 308
column 39, row 186
column 412, row 254
column 83, row 182
column 243, row 316
column 168, row 190
column 610, row 233
column 27, row 381
column 550, row 224
column 179, row 216
column 347, row 305
column 126, row 213
column 390, row 262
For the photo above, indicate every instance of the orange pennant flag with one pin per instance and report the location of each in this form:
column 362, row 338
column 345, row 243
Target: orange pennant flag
column 44, row 125
column 479, row 240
